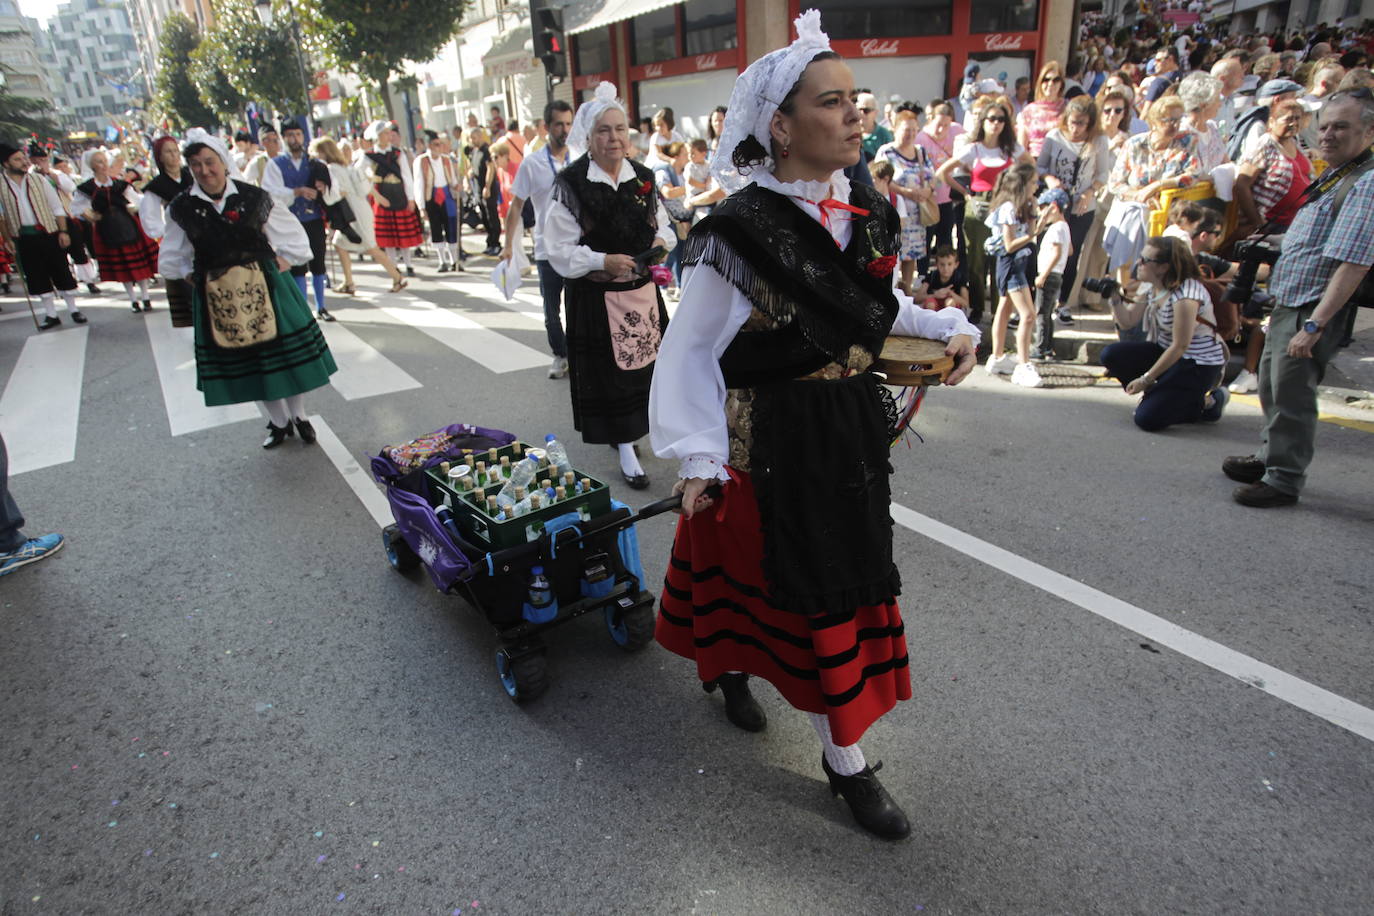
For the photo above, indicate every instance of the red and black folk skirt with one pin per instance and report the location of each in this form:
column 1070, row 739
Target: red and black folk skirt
column 397, row 228
column 716, row 609
column 126, row 263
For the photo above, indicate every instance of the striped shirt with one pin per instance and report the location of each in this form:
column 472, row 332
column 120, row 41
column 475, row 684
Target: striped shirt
column 1315, row 245
column 1205, row 348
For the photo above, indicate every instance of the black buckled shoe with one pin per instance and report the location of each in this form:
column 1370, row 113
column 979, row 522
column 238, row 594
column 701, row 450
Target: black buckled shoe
column 872, row 807
column 1243, row 468
column 276, row 435
column 78, row 318
column 740, row 706
column 636, row 481
column 147, row 305
column 51, row 321
column 307, row 432
column 134, row 306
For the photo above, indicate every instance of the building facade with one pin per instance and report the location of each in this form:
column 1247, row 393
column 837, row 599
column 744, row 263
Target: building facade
column 98, row 62
column 21, row 52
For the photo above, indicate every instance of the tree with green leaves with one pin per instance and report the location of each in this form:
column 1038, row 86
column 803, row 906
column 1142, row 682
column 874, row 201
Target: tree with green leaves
column 258, row 61
column 21, row 116
column 177, row 97
column 214, row 86
column 374, row 38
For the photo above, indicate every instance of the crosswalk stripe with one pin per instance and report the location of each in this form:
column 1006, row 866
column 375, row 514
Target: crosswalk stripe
column 358, row 479
column 175, row 356
column 42, row 400
column 453, row 329
column 363, row 371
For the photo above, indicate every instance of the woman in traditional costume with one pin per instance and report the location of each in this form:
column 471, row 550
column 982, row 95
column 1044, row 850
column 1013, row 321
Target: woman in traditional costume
column 122, row 249
column 605, row 212
column 256, row 339
column 762, row 387
column 395, row 219
column 171, row 179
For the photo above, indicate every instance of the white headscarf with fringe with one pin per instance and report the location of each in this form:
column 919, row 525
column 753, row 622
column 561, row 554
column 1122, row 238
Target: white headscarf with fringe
column 201, row 135
column 758, row 92
column 602, row 101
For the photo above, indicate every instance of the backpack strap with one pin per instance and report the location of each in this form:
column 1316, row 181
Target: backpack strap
column 1346, row 186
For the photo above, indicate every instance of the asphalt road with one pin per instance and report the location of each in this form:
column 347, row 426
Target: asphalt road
column 220, row 698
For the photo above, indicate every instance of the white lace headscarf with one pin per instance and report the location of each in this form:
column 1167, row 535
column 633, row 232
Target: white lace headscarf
column 757, row 94
column 201, row 135
column 589, row 112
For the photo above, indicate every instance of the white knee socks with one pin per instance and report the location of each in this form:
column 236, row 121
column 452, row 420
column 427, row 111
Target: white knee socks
column 49, row 308
column 295, row 406
column 405, row 256
column 629, row 462
column 846, row 761
column 129, row 291
column 277, row 413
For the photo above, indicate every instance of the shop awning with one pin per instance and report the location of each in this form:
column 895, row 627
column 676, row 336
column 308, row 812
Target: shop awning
column 585, row 15
column 511, row 52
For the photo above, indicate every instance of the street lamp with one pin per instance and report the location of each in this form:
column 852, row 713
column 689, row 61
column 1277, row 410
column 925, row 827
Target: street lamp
column 266, row 15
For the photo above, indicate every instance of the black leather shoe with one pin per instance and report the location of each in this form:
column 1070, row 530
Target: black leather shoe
column 1263, row 496
column 147, row 305
column 92, row 289
column 740, row 706
column 134, row 306
column 636, row 481
column 50, row 321
column 410, row 271
column 1243, row 468
column 78, row 318
column 276, row 435
column 323, row 315
column 869, row 802
column 307, row 432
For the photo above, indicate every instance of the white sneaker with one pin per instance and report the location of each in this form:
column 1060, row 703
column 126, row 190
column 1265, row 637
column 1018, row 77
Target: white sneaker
column 559, row 367
column 1025, row 375
column 1002, row 366
column 1246, row 383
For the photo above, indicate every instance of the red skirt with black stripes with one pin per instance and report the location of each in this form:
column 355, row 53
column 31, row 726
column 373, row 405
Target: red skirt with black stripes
column 397, row 228
column 126, row 263
column 851, row 666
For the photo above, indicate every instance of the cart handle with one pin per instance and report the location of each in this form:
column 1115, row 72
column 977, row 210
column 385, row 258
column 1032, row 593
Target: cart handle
column 670, row 503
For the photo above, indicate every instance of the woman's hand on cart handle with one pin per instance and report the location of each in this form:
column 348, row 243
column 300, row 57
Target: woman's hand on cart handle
column 961, row 347
column 694, row 497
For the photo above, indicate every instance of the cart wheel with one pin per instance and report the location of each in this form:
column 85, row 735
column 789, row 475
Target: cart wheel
column 525, row 678
column 635, row 629
column 398, row 552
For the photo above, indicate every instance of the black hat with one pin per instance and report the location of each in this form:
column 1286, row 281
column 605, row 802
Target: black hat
column 8, row 149
column 293, row 124
column 243, row 136
column 431, row 136
column 266, row 127
column 37, row 152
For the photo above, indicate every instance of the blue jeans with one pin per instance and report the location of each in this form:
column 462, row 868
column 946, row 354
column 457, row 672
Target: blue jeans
column 1177, row 397
column 551, row 288
column 10, row 518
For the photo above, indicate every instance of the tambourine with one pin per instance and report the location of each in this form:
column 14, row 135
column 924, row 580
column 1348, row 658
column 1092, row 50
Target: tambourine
column 912, row 362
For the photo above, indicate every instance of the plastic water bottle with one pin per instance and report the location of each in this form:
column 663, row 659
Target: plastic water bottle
column 558, row 455
column 541, row 606
column 446, row 519
column 521, row 476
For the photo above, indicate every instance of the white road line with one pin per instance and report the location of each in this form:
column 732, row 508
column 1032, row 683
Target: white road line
column 174, row 353
column 1306, row 696
column 456, row 331
column 363, row 371
column 358, row 478
column 42, row 401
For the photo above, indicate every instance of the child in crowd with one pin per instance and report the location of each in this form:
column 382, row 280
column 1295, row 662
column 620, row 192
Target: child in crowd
column 1014, row 226
column 945, row 286
column 698, row 171
column 883, row 173
column 1055, row 248
column 1185, row 218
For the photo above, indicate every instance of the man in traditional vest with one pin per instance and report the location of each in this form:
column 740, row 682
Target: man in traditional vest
column 295, row 181
column 35, row 230
column 64, row 184
column 436, row 183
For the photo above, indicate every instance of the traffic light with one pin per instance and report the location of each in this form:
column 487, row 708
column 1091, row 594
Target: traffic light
column 550, row 44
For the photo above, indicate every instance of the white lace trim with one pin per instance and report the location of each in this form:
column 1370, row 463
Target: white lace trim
column 705, row 467
column 837, row 187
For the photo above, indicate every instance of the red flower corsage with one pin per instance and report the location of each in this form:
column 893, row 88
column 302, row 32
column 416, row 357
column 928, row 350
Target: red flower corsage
column 882, row 267
column 646, row 188
column 231, row 215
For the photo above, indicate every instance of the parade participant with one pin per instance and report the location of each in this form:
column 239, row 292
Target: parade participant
column 122, row 249
column 256, row 168
column 1178, row 367
column 35, row 234
column 534, row 182
column 395, row 220
column 761, row 385
column 437, row 181
column 171, row 179
column 245, row 150
column 347, row 184
column 1327, row 251
column 254, row 337
column 604, row 212
column 296, row 182
column 56, row 168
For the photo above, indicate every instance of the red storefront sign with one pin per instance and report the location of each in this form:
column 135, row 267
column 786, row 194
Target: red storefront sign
column 697, row 63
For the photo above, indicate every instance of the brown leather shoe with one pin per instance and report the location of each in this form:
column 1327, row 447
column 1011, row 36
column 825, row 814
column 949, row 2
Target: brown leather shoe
column 1263, row 496
column 1243, row 468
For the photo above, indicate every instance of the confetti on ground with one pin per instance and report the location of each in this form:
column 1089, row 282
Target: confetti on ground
column 37, row 837
column 376, row 842
column 143, row 755
column 166, row 753
column 402, row 868
column 75, row 765
column 171, row 804
column 214, row 855
column 147, row 852
column 320, row 859
column 115, row 802
column 340, row 897
column 131, row 742
column 318, row 834
column 37, row 897
column 112, row 824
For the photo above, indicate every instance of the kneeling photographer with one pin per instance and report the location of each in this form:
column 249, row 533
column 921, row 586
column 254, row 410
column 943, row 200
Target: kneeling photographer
column 1326, row 253
column 1178, row 367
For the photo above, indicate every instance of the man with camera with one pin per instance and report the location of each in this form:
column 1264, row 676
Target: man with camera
column 1327, row 251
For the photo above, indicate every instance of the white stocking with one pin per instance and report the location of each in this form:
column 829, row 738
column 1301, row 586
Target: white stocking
column 129, row 291
column 49, row 308
column 295, row 406
column 69, row 297
column 629, row 462
column 276, row 412
column 143, row 289
column 845, row 761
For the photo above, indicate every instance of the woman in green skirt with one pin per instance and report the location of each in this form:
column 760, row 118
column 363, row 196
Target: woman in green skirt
column 255, row 337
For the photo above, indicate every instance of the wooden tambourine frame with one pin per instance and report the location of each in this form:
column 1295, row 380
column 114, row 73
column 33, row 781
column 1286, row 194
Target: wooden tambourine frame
column 911, row 362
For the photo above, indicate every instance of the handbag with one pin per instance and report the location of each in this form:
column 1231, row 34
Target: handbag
column 342, row 217
column 930, row 212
